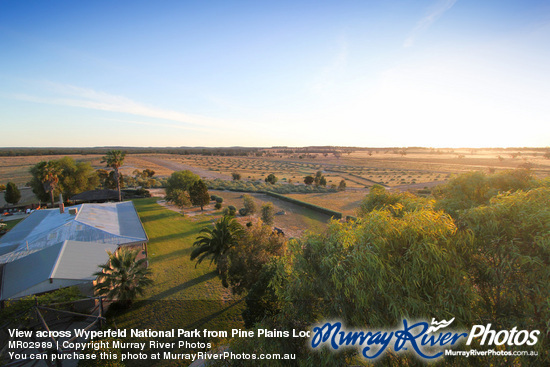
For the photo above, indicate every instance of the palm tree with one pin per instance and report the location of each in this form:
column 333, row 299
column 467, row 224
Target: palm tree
column 115, row 159
column 49, row 176
column 214, row 242
column 123, row 278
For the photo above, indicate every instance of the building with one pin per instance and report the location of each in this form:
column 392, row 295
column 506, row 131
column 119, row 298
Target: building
column 52, row 249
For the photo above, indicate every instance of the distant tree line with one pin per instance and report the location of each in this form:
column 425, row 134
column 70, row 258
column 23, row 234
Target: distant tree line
column 230, row 151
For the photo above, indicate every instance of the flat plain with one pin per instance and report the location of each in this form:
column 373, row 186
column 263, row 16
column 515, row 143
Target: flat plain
column 400, row 169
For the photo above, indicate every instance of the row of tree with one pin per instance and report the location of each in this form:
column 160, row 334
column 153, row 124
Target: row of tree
column 320, row 180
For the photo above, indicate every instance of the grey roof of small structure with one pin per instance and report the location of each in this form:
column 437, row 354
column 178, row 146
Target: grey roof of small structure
column 72, row 260
column 110, row 223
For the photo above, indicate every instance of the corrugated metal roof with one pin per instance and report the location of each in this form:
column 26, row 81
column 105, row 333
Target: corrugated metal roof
column 69, row 260
column 110, row 223
column 119, row 219
column 28, row 271
column 80, row 260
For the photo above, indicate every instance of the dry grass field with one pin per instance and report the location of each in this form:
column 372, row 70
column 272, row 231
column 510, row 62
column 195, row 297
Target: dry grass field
column 293, row 222
column 364, row 168
column 403, row 169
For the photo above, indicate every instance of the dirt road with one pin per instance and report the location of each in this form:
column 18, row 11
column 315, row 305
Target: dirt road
column 178, row 166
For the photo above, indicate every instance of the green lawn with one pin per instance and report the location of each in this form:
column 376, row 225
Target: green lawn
column 182, row 296
column 9, row 225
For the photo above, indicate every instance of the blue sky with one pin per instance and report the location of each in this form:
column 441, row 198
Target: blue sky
column 438, row 73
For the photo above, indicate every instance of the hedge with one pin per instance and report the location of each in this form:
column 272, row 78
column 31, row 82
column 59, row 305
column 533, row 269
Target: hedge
column 320, row 209
column 255, row 186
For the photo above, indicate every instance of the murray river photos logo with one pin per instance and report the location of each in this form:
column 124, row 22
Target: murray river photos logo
column 428, row 341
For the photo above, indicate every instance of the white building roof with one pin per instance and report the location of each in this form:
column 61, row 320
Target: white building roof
column 109, row 223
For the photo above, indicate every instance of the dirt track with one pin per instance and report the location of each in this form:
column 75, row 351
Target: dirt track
column 177, row 166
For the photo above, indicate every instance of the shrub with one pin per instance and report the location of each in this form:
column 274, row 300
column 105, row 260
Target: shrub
column 230, row 211
column 243, row 211
column 218, row 206
column 268, row 212
column 219, row 199
column 272, row 179
column 249, row 204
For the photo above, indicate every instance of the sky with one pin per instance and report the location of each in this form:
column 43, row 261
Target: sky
column 433, row 73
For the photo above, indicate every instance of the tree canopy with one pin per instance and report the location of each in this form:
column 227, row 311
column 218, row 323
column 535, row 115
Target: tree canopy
column 404, row 258
column 472, row 189
column 249, row 204
column 45, row 179
column 257, row 245
column 72, row 178
column 268, row 213
column 180, row 180
column 12, row 194
column 198, row 194
column 271, row 178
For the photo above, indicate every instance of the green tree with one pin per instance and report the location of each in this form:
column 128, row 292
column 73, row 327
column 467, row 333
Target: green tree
column 69, row 178
column 148, row 173
column 472, row 189
column 342, row 185
column 230, row 211
column 249, row 204
column 373, row 272
column 123, row 278
column 379, row 198
column 318, row 177
column 214, row 242
column 271, row 178
column 509, row 259
column 115, row 159
column 180, row 180
column 179, row 198
column 263, row 300
column 268, row 213
column 236, row 176
column 47, row 175
column 12, row 194
column 246, row 258
column 144, row 178
column 308, row 180
column 76, row 177
column 198, row 193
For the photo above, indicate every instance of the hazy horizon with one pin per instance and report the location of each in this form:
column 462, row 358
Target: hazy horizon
column 438, row 73
column 275, row 147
